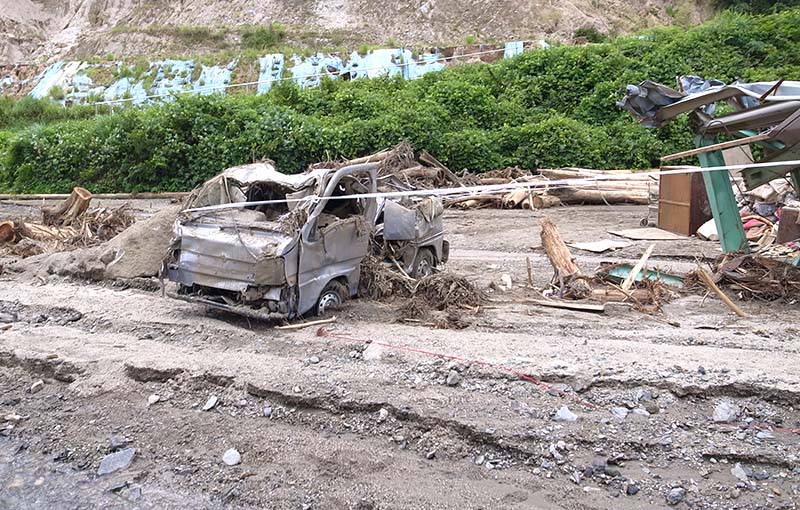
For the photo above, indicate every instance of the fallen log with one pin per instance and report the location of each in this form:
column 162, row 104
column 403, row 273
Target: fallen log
column 546, row 201
column 419, row 171
column 167, row 195
column 613, row 295
column 585, row 196
column 515, row 198
column 66, row 212
column 566, row 173
column 490, row 181
column 14, row 231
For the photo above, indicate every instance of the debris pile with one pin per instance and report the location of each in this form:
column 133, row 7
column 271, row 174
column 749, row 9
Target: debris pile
column 134, row 253
column 443, row 292
column 66, row 226
column 400, row 168
column 570, row 284
column 754, row 277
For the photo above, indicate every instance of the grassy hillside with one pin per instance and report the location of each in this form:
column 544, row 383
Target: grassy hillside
column 543, row 108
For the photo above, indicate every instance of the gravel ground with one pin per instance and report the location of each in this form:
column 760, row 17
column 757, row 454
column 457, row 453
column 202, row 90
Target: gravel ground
column 360, row 418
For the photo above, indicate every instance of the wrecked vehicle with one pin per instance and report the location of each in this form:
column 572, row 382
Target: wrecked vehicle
column 267, row 245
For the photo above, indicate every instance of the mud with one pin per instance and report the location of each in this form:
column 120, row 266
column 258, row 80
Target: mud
column 365, row 415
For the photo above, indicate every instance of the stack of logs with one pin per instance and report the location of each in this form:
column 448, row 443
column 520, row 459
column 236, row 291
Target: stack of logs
column 598, row 187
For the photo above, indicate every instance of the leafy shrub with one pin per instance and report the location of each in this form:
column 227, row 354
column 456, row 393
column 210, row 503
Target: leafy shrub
column 540, row 109
column 263, row 37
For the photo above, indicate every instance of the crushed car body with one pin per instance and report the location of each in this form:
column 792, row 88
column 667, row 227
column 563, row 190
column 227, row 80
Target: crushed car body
column 267, row 245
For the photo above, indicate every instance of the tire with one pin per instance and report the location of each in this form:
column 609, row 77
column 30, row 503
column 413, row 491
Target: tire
column 332, row 296
column 424, row 264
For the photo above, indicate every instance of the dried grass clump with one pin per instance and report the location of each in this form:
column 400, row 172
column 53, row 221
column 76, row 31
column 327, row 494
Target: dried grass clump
column 447, row 290
column 379, row 282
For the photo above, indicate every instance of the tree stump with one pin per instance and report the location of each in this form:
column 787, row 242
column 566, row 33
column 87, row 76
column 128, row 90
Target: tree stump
column 568, row 276
column 66, row 212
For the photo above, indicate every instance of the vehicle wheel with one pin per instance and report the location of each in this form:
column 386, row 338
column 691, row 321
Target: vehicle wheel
column 332, row 296
column 424, row 264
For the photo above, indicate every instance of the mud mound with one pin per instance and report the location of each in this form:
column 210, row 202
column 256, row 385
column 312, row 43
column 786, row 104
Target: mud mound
column 134, row 253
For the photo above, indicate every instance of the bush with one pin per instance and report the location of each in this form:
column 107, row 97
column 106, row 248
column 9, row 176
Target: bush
column 263, row 37
column 540, row 109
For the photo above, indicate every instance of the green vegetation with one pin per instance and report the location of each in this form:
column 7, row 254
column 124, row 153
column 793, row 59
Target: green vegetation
column 539, row 109
column 263, row 37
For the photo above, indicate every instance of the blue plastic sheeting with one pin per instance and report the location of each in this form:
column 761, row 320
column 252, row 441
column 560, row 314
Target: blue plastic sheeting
column 168, row 77
column 270, row 70
column 214, row 79
column 306, row 72
column 512, row 49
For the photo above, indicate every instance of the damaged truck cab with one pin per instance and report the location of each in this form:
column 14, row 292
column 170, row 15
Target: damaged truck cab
column 267, row 245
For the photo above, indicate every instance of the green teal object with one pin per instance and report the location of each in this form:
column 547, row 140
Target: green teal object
column 721, row 199
column 619, row 272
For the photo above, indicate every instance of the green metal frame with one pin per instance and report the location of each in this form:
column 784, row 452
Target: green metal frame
column 722, row 200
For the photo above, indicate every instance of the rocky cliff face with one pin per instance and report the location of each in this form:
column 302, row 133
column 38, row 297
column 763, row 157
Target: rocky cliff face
column 42, row 30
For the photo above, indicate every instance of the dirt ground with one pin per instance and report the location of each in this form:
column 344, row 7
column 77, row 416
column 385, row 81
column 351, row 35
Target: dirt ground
column 365, row 417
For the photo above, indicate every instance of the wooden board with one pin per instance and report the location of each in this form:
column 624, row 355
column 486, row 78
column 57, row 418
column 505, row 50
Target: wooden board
column 647, row 234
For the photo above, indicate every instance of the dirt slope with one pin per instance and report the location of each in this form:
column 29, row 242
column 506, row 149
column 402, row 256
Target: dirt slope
column 47, row 29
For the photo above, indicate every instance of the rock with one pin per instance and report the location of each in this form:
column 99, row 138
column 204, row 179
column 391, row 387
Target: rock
column 382, row 415
column 644, row 395
column 267, row 412
column 735, row 493
column 211, row 403
column 725, row 412
column 153, row 399
column 564, row 414
column 12, row 418
column 761, row 474
column 297, row 389
column 373, row 352
column 479, row 459
column 116, row 443
column 738, row 472
column 651, row 407
column 430, row 455
column 116, row 461
column 619, row 412
column 37, row 386
column 676, row 495
column 231, row 457
column 453, row 378
column 597, row 467
column 765, row 434
column 555, row 453
column 632, row 489
column 641, row 412
column 313, row 360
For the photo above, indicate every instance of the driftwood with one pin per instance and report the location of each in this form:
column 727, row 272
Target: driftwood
column 614, row 295
column 567, row 273
column 515, row 198
column 13, row 231
column 629, row 281
column 709, row 282
column 66, row 212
